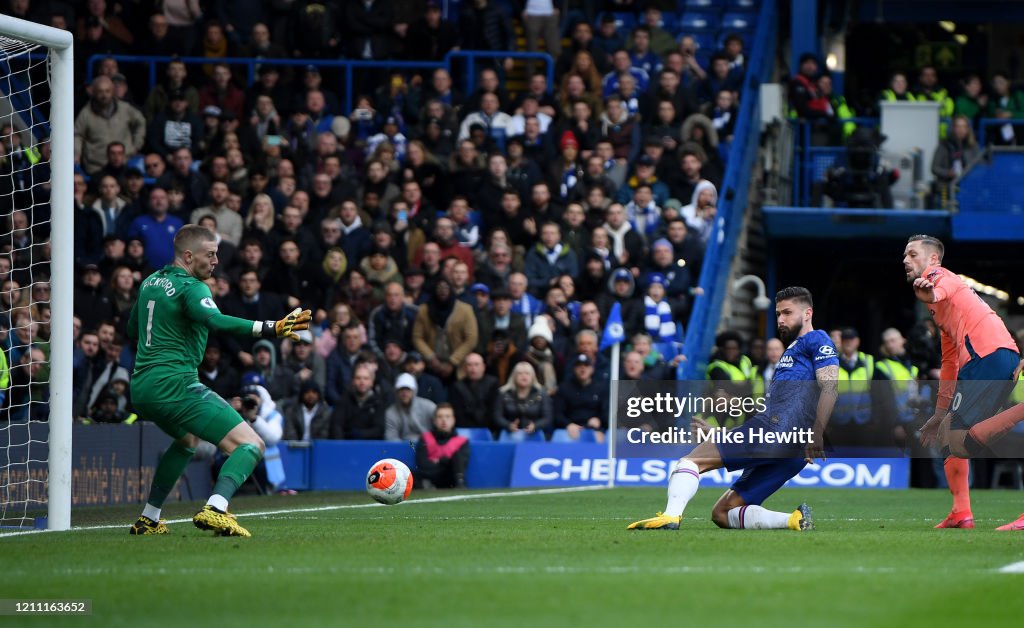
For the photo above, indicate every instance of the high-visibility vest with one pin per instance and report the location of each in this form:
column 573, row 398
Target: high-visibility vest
column 888, row 94
column 853, row 404
column 904, row 383
column 1017, row 396
column 844, row 115
column 946, row 107
column 741, row 373
column 758, row 385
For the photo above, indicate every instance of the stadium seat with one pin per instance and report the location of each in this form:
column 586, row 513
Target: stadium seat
column 669, row 22
column 705, row 42
column 743, row 5
column 699, row 22
column 623, row 21
column 700, row 5
column 520, row 437
column 137, row 163
column 562, row 436
column 476, row 434
column 739, row 22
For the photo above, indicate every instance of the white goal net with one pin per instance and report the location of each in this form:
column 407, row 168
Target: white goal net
column 32, row 339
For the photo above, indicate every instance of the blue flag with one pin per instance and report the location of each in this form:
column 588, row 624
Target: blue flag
column 613, row 331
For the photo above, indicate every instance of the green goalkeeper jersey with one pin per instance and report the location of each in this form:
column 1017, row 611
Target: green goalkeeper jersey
column 170, row 322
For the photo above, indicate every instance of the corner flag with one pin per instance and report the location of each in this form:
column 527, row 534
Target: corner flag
column 613, row 330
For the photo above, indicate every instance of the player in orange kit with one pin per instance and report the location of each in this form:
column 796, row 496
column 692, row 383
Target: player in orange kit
column 979, row 368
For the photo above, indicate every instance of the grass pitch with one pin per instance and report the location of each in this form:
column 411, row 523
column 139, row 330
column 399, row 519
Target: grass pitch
column 545, row 558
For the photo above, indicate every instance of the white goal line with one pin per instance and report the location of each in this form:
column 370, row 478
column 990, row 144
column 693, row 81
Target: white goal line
column 288, row 511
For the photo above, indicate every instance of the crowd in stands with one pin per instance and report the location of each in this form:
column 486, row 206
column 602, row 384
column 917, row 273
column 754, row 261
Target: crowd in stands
column 962, row 109
column 461, row 248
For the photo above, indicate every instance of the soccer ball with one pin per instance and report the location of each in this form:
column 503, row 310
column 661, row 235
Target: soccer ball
column 389, row 481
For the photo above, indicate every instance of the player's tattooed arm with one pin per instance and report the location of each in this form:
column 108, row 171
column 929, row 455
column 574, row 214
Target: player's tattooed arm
column 828, row 385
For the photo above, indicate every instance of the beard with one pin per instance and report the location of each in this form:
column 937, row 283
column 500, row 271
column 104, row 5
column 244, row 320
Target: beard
column 787, row 335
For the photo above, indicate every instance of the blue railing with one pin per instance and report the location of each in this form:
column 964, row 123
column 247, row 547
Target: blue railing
column 812, row 162
column 347, row 66
column 733, row 201
column 989, row 123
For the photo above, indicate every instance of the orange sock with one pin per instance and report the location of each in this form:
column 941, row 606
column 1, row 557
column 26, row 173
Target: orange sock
column 957, row 470
column 991, row 429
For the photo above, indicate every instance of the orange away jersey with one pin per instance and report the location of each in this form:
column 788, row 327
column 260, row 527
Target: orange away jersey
column 964, row 319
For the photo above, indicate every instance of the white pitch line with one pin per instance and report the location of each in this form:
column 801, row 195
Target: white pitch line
column 1017, row 567
column 288, row 511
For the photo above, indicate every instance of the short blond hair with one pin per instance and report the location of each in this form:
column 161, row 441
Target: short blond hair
column 190, row 237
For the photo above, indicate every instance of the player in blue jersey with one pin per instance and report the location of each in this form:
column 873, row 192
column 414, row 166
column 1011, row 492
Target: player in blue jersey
column 794, row 402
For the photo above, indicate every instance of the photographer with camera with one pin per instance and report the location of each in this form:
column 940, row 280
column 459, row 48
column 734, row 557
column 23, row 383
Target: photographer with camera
column 259, row 410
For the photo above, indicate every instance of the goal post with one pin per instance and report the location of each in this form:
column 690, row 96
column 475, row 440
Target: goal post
column 20, row 37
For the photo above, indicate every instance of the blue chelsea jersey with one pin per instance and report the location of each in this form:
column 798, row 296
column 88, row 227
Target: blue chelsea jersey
column 793, row 393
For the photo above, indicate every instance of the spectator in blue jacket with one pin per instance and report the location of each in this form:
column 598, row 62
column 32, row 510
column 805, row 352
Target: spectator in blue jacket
column 157, row 229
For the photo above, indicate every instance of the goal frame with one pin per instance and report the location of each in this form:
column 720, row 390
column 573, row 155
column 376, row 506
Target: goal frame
column 61, row 79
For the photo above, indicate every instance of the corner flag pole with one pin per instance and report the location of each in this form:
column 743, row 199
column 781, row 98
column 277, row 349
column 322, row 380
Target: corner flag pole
column 613, row 411
column 613, row 336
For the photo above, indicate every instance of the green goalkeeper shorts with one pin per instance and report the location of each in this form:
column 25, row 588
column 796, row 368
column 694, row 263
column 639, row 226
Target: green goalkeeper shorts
column 196, row 410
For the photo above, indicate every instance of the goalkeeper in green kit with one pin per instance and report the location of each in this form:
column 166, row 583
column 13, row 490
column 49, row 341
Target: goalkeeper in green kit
column 170, row 322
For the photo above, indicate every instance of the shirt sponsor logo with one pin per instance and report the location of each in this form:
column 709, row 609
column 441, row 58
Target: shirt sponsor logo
column 825, row 352
column 786, row 362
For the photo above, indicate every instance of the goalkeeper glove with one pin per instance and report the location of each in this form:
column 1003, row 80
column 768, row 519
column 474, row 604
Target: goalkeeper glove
column 297, row 320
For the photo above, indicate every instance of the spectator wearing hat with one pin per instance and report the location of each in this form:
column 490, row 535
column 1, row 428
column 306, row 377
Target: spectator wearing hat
column 659, row 317
column 380, row 269
column 540, row 354
column 306, row 417
column 175, row 127
column 427, row 385
column 216, row 372
column 410, row 415
column 92, row 303
column 304, row 362
column 700, row 213
column 622, row 289
column 391, row 133
column 157, row 229
column 479, row 296
column 473, row 394
column 523, row 407
column 359, row 413
column 280, row 381
column 644, row 174
column 581, row 402
column 441, row 455
column 675, row 272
